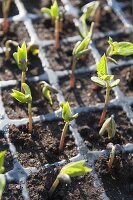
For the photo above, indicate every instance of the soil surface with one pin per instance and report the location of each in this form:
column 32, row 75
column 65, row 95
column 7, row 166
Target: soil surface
column 83, row 94
column 78, row 189
column 40, row 106
column 12, row 192
column 125, row 74
column 45, row 29
column 42, row 146
column 62, row 59
column 89, row 129
column 117, row 182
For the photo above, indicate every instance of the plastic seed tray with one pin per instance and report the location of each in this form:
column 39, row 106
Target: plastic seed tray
column 18, row 174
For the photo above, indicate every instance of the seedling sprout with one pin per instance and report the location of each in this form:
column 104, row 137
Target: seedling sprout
column 5, row 10
column 25, row 98
column 56, row 17
column 21, row 59
column 104, row 80
column 112, row 155
column 46, row 90
column 2, row 176
column 81, row 48
column 70, row 170
column 110, row 126
column 68, row 117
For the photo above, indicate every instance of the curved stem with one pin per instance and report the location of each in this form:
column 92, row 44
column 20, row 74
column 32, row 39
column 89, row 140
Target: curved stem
column 103, row 115
column 57, row 29
column 53, row 187
column 64, row 132
column 72, row 78
column 30, row 116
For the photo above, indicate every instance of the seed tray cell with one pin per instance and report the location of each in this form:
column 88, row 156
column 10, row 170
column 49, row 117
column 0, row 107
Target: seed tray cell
column 35, row 159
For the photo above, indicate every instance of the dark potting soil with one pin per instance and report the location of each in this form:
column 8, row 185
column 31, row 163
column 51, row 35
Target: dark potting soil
column 10, row 71
column 125, row 74
column 17, row 32
column 102, row 45
column 16, row 110
column 12, row 191
column 62, row 59
column 117, row 182
column 83, row 94
column 45, row 29
column 42, row 146
column 80, row 188
column 12, row 11
column 89, row 129
column 8, row 161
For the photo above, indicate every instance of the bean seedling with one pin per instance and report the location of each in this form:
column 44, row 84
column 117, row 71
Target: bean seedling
column 110, row 126
column 70, row 170
column 5, row 10
column 21, row 59
column 89, row 10
column 2, row 176
column 46, row 90
column 56, row 17
column 104, row 80
column 81, row 48
column 68, row 117
column 25, row 98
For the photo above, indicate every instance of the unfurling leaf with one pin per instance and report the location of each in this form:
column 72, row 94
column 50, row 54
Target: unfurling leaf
column 21, row 57
column 66, row 112
column 102, row 67
column 53, row 11
column 120, row 48
column 2, row 184
column 110, row 126
column 2, row 156
column 89, row 10
column 23, row 98
column 47, row 94
column 115, row 83
column 75, row 169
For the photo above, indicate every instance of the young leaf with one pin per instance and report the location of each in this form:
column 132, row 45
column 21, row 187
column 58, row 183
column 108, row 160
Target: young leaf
column 66, row 112
column 75, row 169
column 89, row 10
column 2, row 184
column 120, row 48
column 102, row 66
column 55, row 10
column 110, row 126
column 98, row 81
column 46, row 10
column 115, row 83
column 2, row 156
column 47, row 94
column 81, row 46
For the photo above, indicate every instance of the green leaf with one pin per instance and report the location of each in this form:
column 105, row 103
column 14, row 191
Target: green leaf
column 2, row 156
column 81, row 53
column 89, row 10
column 98, row 81
column 55, row 10
column 19, row 96
column 26, row 89
column 2, row 184
column 115, row 83
column 120, row 48
column 47, row 94
column 107, row 77
column 66, row 112
column 21, row 57
column 75, row 169
column 110, row 126
column 102, row 67
column 82, row 45
column 46, row 10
